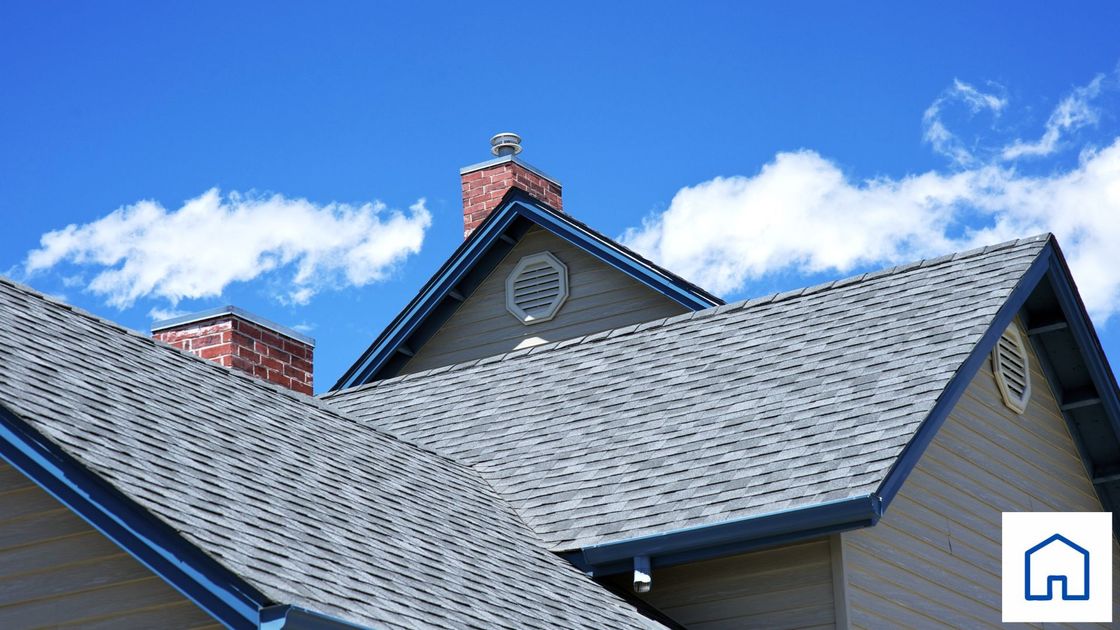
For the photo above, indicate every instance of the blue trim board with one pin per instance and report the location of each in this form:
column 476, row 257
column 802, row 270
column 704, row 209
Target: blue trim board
column 729, row 537
column 516, row 205
column 153, row 543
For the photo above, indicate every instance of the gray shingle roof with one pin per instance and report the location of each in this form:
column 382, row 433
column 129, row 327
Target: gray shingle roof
column 731, row 412
column 308, row 506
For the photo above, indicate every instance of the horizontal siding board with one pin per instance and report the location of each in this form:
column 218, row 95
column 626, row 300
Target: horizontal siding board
column 783, row 587
column 69, row 578
column 180, row 616
column 12, row 479
column 56, row 552
column 906, row 589
column 957, row 539
column 473, row 348
column 934, row 559
column 1034, row 433
column 811, row 616
column 773, row 602
column 498, row 326
column 24, row 501
column 699, row 590
column 39, row 526
column 600, row 298
column 55, row 569
column 1039, row 486
column 887, row 613
column 75, row 607
column 939, row 569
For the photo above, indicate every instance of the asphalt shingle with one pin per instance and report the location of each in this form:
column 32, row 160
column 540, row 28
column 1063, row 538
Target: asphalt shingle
column 773, row 403
column 310, row 507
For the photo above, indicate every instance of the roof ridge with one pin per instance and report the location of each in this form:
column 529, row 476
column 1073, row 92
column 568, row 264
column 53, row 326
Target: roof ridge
column 746, row 303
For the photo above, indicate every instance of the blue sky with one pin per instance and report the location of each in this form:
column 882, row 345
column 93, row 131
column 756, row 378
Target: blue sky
column 321, row 144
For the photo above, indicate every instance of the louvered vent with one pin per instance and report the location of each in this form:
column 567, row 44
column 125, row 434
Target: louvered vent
column 1012, row 369
column 536, row 288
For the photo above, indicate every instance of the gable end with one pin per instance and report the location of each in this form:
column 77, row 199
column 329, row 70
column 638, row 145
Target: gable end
column 474, row 261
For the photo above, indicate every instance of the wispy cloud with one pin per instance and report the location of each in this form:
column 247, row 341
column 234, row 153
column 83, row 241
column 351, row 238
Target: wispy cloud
column 1073, row 112
column 802, row 214
column 937, row 133
column 147, row 251
column 159, row 314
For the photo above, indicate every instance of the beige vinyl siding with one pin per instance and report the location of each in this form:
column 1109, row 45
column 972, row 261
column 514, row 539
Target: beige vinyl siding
column 600, row 298
column 56, row 570
column 934, row 559
column 784, row 587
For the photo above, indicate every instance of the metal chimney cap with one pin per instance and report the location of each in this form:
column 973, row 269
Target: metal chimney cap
column 505, row 143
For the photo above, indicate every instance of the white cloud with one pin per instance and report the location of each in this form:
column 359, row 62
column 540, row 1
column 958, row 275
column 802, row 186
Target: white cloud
column 145, row 250
column 802, row 214
column 158, row 314
column 937, row 134
column 1073, row 112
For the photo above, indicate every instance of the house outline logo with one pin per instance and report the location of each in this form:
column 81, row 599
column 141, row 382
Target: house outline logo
column 1080, row 557
column 1049, row 560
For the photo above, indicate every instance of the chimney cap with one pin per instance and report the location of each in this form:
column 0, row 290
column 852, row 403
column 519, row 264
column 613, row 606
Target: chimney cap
column 505, row 143
column 221, row 311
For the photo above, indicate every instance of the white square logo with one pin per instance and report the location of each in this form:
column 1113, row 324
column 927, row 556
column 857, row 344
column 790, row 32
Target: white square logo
column 1057, row 566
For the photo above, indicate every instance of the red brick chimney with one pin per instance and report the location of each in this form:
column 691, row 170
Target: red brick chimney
column 485, row 184
column 238, row 339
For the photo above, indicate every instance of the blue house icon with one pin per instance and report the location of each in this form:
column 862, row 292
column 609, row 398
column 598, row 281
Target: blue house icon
column 1057, row 559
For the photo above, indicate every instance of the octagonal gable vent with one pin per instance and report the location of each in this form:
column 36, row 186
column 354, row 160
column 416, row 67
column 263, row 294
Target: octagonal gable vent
column 536, row 288
column 1012, row 369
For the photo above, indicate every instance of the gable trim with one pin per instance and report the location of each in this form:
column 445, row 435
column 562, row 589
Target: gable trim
column 491, row 242
column 153, row 543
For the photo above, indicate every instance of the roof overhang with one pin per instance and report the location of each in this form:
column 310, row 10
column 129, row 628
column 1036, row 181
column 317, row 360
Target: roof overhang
column 473, row 261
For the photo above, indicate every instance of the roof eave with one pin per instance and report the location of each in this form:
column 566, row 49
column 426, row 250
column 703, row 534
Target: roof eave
column 693, row 544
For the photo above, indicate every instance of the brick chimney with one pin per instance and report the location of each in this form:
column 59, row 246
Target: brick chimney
column 485, row 184
column 238, row 339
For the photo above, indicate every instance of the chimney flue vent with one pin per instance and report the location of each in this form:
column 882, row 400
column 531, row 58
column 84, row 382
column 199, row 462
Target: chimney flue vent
column 505, row 143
